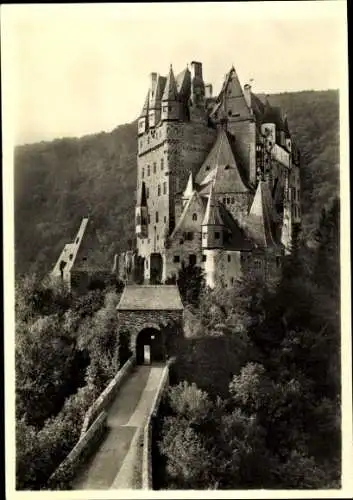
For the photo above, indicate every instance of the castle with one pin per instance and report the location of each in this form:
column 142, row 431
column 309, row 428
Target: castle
column 218, row 181
column 218, row 185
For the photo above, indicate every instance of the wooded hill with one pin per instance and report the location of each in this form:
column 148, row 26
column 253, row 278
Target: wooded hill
column 59, row 182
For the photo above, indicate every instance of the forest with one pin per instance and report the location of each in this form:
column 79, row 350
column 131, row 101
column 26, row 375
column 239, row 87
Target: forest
column 254, row 400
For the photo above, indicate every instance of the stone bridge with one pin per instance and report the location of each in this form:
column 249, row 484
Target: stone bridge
column 153, row 315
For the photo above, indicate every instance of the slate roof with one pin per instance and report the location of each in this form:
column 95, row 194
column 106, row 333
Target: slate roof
column 170, row 90
column 150, row 298
column 221, row 164
column 183, row 81
column 259, row 224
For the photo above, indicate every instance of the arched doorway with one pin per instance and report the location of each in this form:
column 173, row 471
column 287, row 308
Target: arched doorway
column 156, row 268
column 149, row 346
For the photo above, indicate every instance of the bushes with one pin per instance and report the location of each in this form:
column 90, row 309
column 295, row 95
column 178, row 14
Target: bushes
column 63, row 361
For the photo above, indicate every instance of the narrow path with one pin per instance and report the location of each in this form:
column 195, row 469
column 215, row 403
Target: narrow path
column 114, row 463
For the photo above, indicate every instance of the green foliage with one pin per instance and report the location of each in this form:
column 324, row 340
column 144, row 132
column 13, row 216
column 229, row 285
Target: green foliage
column 56, row 355
column 279, row 426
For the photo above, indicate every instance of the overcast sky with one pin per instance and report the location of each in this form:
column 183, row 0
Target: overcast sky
column 81, row 69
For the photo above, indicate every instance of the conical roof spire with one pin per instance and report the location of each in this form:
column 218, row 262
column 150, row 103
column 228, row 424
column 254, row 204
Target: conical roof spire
column 212, row 215
column 286, row 127
column 170, row 90
column 144, row 111
column 142, row 199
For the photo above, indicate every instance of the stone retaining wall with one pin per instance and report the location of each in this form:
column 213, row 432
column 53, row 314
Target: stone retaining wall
column 109, row 393
column 87, row 443
column 147, row 483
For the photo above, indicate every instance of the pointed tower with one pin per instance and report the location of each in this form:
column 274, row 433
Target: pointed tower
column 212, row 225
column 170, row 101
column 141, row 213
column 143, row 119
column 188, row 192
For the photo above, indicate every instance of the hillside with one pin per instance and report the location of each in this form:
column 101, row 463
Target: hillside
column 59, row 182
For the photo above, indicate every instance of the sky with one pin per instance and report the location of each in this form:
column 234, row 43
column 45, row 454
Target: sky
column 71, row 70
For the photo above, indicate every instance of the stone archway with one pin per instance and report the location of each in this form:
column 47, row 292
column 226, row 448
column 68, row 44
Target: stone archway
column 149, row 346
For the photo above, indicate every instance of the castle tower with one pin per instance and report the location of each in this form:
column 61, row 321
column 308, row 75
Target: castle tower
column 235, row 108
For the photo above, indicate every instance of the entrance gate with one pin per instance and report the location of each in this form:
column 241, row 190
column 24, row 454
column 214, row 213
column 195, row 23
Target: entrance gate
column 149, row 346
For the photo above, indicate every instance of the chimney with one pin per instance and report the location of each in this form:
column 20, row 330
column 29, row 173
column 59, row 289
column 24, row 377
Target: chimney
column 196, row 70
column 247, row 94
column 208, row 90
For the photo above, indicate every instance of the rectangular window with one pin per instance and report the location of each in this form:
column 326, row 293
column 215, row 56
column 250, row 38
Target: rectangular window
column 157, row 217
column 204, row 258
column 148, row 192
column 148, row 170
column 217, row 235
column 164, row 188
column 154, row 168
column 176, row 258
column 159, row 189
column 165, row 219
column 143, row 173
column 162, row 164
column 149, row 219
column 228, row 258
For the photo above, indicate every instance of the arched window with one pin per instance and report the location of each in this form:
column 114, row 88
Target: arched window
column 194, row 216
